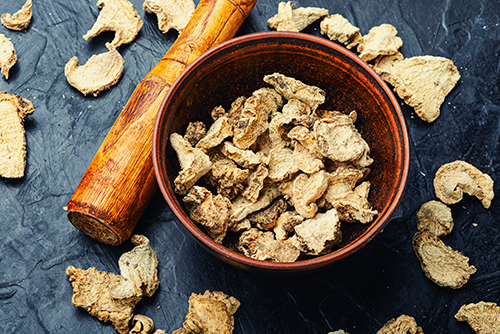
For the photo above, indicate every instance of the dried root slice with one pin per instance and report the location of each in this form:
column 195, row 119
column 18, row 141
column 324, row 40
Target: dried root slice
column 8, row 56
column 220, row 130
column 210, row 313
column 99, row 73
column 435, row 217
column 455, row 178
column 380, row 41
column 111, row 297
column 483, row 317
column 338, row 28
column 306, row 190
column 13, row 111
column 422, row 82
column 171, row 14
column 141, row 325
column 443, row 265
column 19, row 20
column 404, row 324
column 118, row 16
column 289, row 19
column 263, row 246
column 318, row 235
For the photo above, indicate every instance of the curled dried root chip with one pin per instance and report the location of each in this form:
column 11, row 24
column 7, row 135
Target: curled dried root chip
column 296, row 19
column 404, row 324
column 13, row 111
column 99, row 73
column 380, row 41
column 172, row 14
column 118, row 16
column 338, row 28
column 422, row 82
column 455, row 178
column 443, row 265
column 111, row 297
column 19, row 20
column 483, row 317
column 8, row 56
column 141, row 325
column 436, row 217
column 210, row 313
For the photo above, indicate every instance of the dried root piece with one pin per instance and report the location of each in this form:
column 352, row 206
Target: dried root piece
column 242, row 207
column 99, row 73
column 338, row 28
column 118, row 16
column 194, row 132
column 483, row 317
column 171, row 14
column 380, row 41
column 354, row 205
column 210, row 211
column 404, row 324
column 210, row 313
column 220, row 130
column 296, row 19
column 318, row 235
column 443, row 265
column 422, row 82
column 141, row 325
column 244, row 158
column 263, row 246
column 291, row 88
column 13, row 111
column 111, row 297
column 435, row 217
column 266, row 219
column 286, row 224
column 255, row 183
column 455, row 178
column 294, row 112
column 227, row 177
column 194, row 163
column 8, row 56
column 19, row 20
column 282, row 164
column 306, row 190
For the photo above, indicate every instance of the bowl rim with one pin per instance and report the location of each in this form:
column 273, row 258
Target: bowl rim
column 239, row 259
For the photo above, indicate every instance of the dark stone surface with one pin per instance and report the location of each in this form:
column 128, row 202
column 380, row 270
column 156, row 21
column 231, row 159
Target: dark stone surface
column 358, row 294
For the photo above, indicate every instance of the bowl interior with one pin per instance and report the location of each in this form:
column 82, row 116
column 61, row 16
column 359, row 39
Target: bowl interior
column 236, row 68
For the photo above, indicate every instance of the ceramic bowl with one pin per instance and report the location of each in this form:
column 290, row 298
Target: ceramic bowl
column 236, row 68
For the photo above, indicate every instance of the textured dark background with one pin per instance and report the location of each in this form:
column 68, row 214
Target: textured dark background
column 358, row 294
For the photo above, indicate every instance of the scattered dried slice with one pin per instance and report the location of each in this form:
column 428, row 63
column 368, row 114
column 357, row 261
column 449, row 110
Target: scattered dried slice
column 194, row 163
column 118, row 16
column 380, row 41
column 435, row 217
column 141, row 325
column 103, row 294
column 483, row 317
column 99, row 73
column 19, row 20
column 338, row 28
column 422, row 82
column 296, row 19
column 8, row 56
column 443, row 265
column 455, row 178
column 172, row 14
column 263, row 246
column 13, row 111
column 404, row 324
column 210, row 313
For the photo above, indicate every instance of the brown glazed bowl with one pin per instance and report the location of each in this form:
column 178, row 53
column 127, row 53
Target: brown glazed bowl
column 236, row 68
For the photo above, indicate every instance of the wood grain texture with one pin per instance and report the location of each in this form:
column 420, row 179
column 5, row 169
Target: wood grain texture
column 119, row 182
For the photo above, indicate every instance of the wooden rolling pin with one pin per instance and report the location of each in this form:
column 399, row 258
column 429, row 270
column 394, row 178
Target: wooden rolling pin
column 120, row 181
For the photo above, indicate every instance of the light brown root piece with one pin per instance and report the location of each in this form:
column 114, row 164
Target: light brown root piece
column 380, row 41
column 99, row 73
column 404, row 324
column 296, row 20
column 19, row 20
column 141, row 325
column 171, row 14
column 454, row 179
column 263, row 246
column 440, row 263
column 8, row 56
column 422, row 82
column 111, row 297
column 483, row 317
column 306, row 190
column 13, row 111
column 435, row 217
column 118, row 16
column 338, row 28
column 210, row 313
